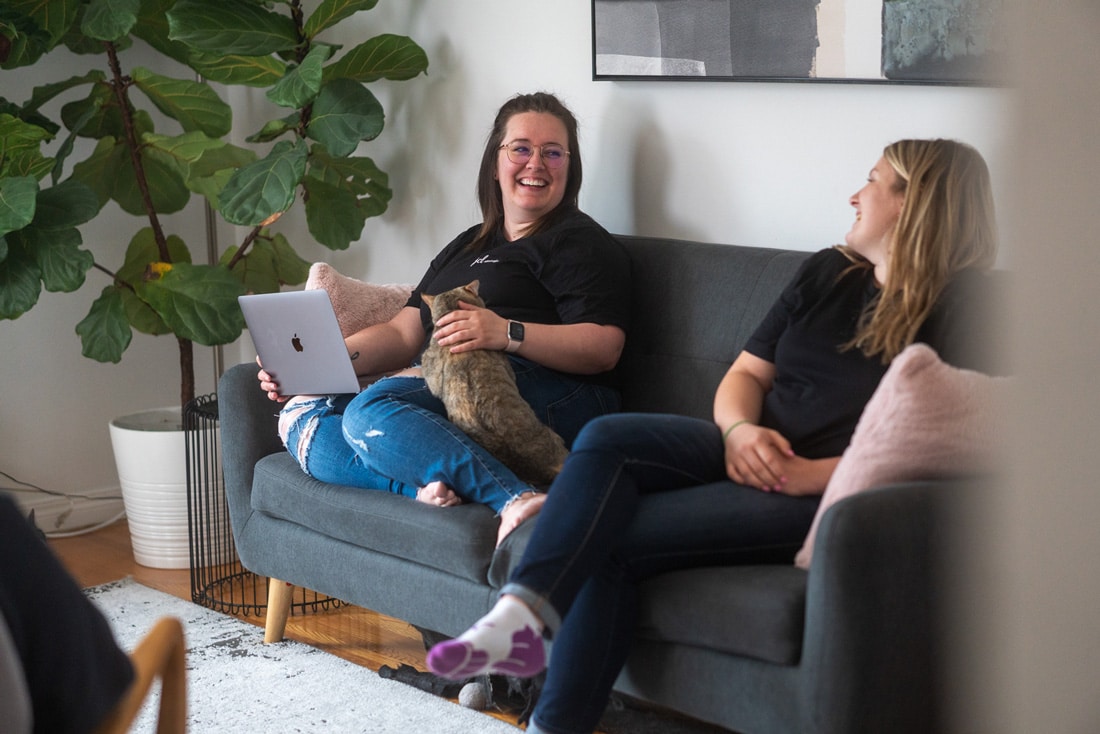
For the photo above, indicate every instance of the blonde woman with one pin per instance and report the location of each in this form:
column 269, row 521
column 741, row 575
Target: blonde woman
column 745, row 487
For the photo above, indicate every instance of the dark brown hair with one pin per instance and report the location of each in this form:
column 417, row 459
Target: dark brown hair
column 488, row 188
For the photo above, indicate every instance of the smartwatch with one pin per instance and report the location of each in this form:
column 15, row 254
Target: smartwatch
column 515, row 336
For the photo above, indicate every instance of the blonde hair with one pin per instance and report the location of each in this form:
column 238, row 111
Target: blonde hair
column 946, row 224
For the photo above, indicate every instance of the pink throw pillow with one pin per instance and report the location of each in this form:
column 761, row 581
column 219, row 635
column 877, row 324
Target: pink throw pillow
column 357, row 304
column 925, row 419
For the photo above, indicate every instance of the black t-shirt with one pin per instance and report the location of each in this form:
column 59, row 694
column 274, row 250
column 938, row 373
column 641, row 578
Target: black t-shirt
column 574, row 272
column 820, row 391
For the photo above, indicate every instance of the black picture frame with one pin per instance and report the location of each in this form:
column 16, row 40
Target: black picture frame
column 932, row 42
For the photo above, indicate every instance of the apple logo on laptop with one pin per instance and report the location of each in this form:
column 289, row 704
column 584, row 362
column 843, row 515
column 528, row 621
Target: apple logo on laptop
column 296, row 343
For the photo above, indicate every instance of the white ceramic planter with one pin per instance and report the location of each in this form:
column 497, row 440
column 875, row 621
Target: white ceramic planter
column 151, row 460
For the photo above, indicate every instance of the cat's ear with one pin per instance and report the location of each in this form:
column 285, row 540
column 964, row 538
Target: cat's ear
column 473, row 286
column 427, row 299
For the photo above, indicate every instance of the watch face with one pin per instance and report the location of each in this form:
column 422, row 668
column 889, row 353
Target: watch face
column 515, row 331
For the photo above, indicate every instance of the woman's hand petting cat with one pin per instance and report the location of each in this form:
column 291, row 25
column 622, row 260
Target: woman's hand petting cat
column 269, row 385
column 471, row 327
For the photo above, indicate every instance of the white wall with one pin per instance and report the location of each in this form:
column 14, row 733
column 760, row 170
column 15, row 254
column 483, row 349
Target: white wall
column 764, row 164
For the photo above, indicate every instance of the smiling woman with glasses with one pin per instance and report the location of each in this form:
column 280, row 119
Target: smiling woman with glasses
column 557, row 291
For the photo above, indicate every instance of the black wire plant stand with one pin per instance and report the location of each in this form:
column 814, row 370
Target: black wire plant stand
column 218, row 579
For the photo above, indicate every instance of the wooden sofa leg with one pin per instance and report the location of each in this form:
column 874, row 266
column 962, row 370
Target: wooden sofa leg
column 279, row 596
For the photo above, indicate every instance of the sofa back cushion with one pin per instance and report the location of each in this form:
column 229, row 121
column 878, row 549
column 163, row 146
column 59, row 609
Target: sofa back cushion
column 694, row 307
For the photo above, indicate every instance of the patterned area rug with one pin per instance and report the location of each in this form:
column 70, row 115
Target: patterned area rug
column 237, row 683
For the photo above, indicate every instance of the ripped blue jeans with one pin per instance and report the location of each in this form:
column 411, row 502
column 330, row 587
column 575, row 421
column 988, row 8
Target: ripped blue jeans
column 395, row 436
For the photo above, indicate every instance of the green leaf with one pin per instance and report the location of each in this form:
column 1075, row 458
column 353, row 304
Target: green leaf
column 65, row 206
column 345, row 113
column 331, row 12
column 274, row 129
column 19, row 136
column 43, row 94
column 95, row 116
column 332, row 214
column 265, row 187
column 196, row 106
column 142, row 253
column 109, row 172
column 51, row 18
column 100, row 169
column 32, row 164
column 167, row 190
column 181, row 151
column 104, row 332
column 21, row 144
column 302, row 83
column 199, row 302
column 83, row 45
column 60, row 259
column 253, row 71
column 234, row 27
column 358, row 174
column 140, row 314
column 68, row 144
column 384, row 57
column 290, row 268
column 18, row 200
column 209, row 175
column 152, row 27
column 109, row 20
column 256, row 269
column 27, row 43
column 270, row 264
column 20, row 280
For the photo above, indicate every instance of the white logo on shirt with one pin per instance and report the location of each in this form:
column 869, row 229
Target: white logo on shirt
column 482, row 260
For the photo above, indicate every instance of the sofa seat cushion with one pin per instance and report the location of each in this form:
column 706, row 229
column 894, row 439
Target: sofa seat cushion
column 755, row 611
column 457, row 540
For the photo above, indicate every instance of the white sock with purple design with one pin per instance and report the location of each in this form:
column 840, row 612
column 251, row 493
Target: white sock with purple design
column 506, row 641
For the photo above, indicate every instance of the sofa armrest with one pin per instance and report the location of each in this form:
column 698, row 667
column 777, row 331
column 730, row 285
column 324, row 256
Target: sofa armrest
column 249, row 424
column 874, row 604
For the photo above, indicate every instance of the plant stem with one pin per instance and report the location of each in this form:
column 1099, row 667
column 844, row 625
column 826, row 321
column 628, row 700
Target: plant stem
column 248, row 240
column 187, row 371
column 119, row 85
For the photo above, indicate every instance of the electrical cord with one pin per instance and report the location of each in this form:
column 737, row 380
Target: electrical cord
column 28, row 488
column 87, row 529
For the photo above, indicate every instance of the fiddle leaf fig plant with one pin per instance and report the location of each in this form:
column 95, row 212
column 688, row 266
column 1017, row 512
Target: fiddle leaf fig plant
column 111, row 114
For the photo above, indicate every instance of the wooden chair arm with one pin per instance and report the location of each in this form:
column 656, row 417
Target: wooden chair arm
column 160, row 654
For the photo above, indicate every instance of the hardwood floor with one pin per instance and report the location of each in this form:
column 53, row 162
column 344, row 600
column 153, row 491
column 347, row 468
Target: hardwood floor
column 353, row 633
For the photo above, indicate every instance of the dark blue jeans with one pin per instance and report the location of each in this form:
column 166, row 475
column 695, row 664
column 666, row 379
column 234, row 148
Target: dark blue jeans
column 639, row 495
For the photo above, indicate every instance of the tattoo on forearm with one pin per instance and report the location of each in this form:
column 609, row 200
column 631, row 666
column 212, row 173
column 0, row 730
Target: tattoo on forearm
column 354, row 356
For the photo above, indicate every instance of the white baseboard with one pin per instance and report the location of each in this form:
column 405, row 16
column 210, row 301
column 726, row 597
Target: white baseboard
column 55, row 515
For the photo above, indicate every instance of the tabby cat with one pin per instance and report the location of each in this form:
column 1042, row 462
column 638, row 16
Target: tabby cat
column 479, row 391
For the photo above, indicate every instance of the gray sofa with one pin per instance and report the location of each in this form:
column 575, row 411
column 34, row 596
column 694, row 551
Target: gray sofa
column 847, row 647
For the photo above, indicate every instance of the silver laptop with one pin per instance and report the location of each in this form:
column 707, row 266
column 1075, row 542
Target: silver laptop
column 299, row 342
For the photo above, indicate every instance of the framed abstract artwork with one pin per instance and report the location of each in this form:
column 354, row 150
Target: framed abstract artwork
column 956, row 42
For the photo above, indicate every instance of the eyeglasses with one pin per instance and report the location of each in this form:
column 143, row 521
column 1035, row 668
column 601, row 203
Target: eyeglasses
column 520, row 151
